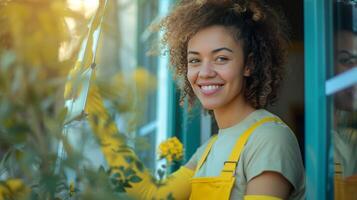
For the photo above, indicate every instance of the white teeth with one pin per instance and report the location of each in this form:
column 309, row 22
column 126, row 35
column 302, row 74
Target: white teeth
column 210, row 87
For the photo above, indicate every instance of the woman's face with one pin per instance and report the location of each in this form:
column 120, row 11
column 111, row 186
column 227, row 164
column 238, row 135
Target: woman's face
column 346, row 59
column 216, row 67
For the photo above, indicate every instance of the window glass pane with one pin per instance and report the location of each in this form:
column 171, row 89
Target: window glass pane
column 344, row 124
column 345, row 143
column 147, row 126
column 127, row 75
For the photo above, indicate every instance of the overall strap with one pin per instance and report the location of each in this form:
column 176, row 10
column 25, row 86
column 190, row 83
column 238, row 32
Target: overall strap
column 230, row 165
column 205, row 153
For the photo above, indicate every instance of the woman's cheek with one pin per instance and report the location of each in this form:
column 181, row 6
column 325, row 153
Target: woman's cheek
column 191, row 76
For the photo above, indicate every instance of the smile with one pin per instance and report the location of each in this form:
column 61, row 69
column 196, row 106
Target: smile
column 210, row 89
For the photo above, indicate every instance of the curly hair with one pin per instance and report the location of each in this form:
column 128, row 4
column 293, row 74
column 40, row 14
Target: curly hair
column 261, row 28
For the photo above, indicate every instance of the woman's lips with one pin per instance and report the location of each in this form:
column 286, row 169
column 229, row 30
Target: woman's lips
column 210, row 89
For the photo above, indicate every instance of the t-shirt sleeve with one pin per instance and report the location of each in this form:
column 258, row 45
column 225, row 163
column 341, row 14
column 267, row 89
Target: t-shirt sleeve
column 273, row 147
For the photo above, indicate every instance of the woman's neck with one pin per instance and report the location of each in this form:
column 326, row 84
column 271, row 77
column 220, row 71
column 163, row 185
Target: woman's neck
column 233, row 113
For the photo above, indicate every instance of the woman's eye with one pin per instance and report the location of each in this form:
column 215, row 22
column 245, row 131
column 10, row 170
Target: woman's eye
column 193, row 61
column 346, row 58
column 221, row 59
column 347, row 61
column 344, row 61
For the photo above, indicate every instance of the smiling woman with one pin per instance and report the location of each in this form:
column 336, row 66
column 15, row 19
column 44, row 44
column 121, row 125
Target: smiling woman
column 216, row 70
column 230, row 55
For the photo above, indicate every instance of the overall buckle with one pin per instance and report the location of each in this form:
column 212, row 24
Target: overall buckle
column 227, row 168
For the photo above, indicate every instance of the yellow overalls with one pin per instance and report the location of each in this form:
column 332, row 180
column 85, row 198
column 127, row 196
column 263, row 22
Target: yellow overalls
column 345, row 188
column 213, row 188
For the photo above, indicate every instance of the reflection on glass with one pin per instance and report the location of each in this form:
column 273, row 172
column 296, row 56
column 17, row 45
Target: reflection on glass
column 345, row 102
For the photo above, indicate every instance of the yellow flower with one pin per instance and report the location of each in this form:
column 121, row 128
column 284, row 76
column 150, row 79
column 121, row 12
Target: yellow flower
column 171, row 150
column 13, row 188
column 169, row 158
column 71, row 188
column 163, row 150
column 144, row 80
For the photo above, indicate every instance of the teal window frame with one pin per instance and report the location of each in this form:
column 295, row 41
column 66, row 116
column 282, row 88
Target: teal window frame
column 318, row 64
column 147, row 11
column 182, row 123
column 320, row 85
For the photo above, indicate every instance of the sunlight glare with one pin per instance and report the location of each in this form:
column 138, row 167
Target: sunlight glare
column 87, row 7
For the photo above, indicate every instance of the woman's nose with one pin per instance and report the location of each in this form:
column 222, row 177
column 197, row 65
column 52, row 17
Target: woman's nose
column 207, row 70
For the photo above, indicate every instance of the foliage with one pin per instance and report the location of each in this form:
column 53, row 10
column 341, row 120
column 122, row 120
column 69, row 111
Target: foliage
column 32, row 113
column 34, row 68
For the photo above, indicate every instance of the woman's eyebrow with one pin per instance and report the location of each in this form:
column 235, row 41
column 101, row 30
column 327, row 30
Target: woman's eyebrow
column 193, row 52
column 346, row 52
column 222, row 49
column 213, row 51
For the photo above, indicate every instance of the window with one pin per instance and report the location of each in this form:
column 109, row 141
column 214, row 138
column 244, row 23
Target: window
column 331, row 79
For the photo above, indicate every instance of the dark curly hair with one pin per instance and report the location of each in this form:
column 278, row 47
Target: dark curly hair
column 262, row 30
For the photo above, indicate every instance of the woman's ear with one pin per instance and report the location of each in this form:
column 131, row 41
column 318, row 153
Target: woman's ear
column 247, row 71
column 249, row 66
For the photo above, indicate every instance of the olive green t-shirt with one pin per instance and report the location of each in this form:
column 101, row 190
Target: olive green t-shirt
column 271, row 147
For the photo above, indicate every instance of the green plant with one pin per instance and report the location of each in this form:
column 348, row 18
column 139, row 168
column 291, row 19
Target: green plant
column 32, row 112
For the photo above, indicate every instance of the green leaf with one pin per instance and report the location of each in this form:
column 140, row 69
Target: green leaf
column 62, row 115
column 109, row 171
column 19, row 132
column 128, row 172
column 129, row 159
column 127, row 184
column 161, row 173
column 135, row 179
column 114, row 181
column 121, row 151
column 139, row 165
column 170, row 197
column 4, row 159
column 116, row 175
column 119, row 188
column 7, row 59
column 101, row 169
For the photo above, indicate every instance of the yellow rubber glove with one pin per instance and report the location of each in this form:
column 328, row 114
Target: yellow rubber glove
column 260, row 197
column 118, row 155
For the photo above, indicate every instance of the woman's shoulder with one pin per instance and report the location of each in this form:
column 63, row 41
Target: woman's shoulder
column 273, row 138
column 274, row 131
column 273, row 147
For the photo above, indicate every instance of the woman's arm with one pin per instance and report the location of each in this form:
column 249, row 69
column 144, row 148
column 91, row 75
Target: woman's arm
column 121, row 159
column 269, row 184
column 273, row 164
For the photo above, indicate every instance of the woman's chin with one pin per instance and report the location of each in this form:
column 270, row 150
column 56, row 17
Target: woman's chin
column 209, row 106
